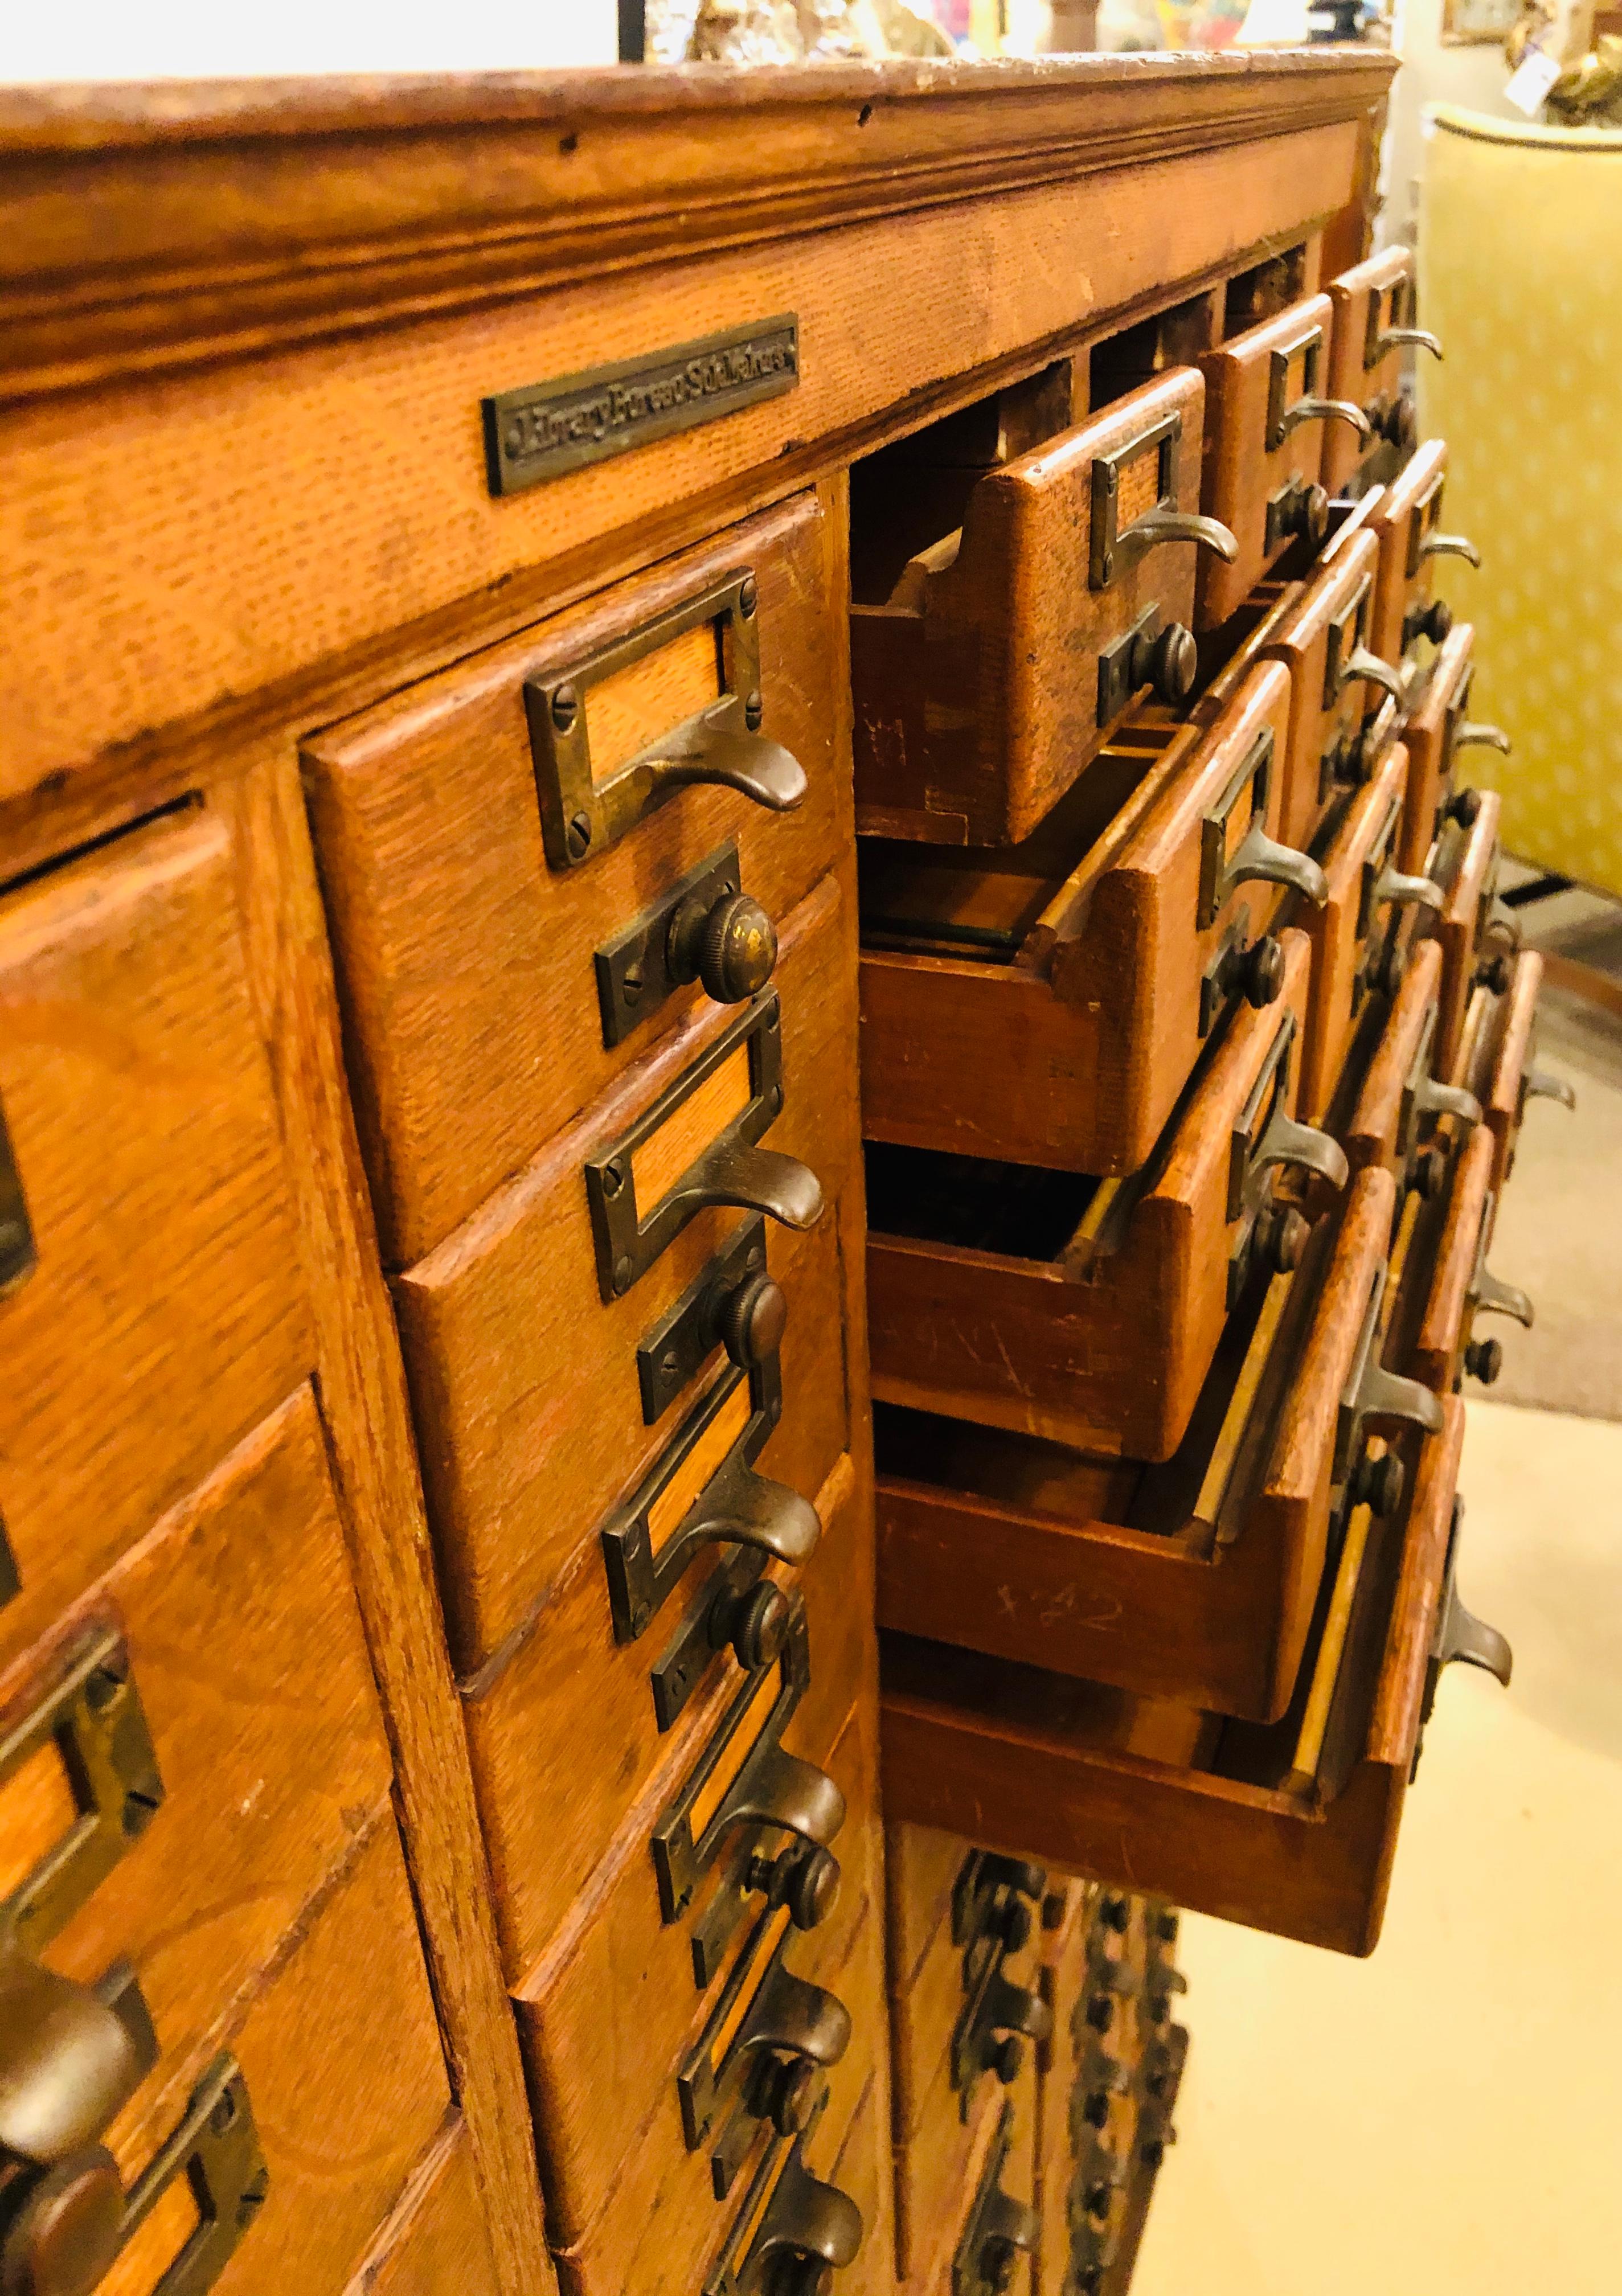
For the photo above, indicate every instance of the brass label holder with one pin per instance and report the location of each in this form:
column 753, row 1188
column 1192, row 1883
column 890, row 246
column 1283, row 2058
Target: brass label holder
column 997, row 2229
column 217, row 2148
column 768, row 1787
column 94, row 1714
column 720, row 745
column 1113, row 551
column 1283, row 413
column 732, row 1170
column 785, row 2215
column 783, row 2017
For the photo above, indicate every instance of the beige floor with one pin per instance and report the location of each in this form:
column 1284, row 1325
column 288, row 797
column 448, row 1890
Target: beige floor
column 1447, row 2117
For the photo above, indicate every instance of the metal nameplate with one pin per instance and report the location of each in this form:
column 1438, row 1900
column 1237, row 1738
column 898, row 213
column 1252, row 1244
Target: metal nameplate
column 1161, row 439
column 94, row 1717
column 1222, row 830
column 543, row 429
column 1308, row 347
column 215, row 2150
column 1425, row 515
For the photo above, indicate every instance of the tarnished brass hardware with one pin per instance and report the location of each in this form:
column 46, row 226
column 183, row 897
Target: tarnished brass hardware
column 1368, row 667
column 1378, row 341
column 18, row 1255
column 754, row 1625
column 763, row 2015
column 998, row 2229
column 1384, row 973
column 993, row 1896
column 1343, row 649
column 1381, row 1484
column 706, row 1625
column 736, row 1507
column 732, row 1170
column 1165, row 659
column 805, row 1877
column 732, row 1303
column 1538, row 1084
column 1486, row 1295
column 1392, row 886
column 1257, row 857
column 71, row 2056
column 791, row 2232
column 1264, row 1138
column 1483, row 1359
column 1298, row 508
column 1394, row 418
column 1100, row 2173
column 1432, row 1097
column 60, row 2230
column 1501, row 924
column 1464, row 807
column 1450, row 546
column 1115, row 551
column 996, row 2019
column 767, row 1787
column 1241, row 967
column 1283, row 419
column 1496, row 972
column 704, row 929
column 1482, row 737
column 1459, row 1636
column 216, row 2148
column 1433, row 621
column 1374, row 1397
column 93, row 1716
column 721, row 744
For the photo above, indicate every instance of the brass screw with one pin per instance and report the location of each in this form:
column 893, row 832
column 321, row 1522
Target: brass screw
column 579, row 835
column 749, row 597
column 565, row 707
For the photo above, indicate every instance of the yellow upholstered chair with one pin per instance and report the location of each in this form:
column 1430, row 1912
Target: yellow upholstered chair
column 1521, row 275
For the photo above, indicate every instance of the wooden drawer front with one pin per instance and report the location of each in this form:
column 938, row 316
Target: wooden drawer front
column 1201, row 1576
column 435, row 2240
column 1263, row 458
column 614, row 2013
column 972, row 2015
column 1336, row 685
column 1360, row 935
column 1501, row 1065
column 466, row 955
column 938, row 2164
column 1438, row 729
column 233, row 1772
column 1408, row 520
column 1005, row 653
column 864, row 2169
column 663, row 2228
column 1069, row 1048
column 1400, row 1097
column 151, row 1306
column 1292, row 1830
column 529, row 1413
column 1084, row 1312
column 1479, row 939
column 340, row 2123
column 1373, row 306
column 548, row 1824
column 1456, row 1283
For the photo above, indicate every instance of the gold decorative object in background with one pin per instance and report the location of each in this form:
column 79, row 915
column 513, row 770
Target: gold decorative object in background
column 1478, row 23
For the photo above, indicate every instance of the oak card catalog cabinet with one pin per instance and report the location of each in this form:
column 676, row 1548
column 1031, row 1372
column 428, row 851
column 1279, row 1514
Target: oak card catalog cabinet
column 756, row 1052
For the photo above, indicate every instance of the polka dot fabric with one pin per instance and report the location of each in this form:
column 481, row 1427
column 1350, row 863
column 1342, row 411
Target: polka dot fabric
column 1521, row 275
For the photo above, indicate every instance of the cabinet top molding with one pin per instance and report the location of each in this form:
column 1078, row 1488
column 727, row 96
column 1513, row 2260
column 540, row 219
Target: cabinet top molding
column 150, row 226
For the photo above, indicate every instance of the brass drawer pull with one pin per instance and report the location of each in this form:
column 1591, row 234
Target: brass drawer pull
column 646, row 1559
column 1285, row 415
column 791, row 2231
column 1361, row 663
column 720, row 744
column 761, row 2051
column 735, row 1785
column 1114, row 551
column 1391, row 339
column 1482, row 737
column 1318, row 410
column 997, row 2018
column 1166, row 660
column 1459, row 1638
column 999, row 2229
column 94, row 1715
column 1393, row 885
column 1374, row 1396
column 732, row 1303
column 1539, row 1084
column 1450, row 546
column 71, row 2056
column 1433, row 1098
column 1258, row 855
column 732, row 1170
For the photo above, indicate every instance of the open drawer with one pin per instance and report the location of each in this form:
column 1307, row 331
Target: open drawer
column 1373, row 306
column 998, row 658
column 1088, row 1311
column 1408, row 521
column 1291, row 1828
column 1047, row 1005
column 1435, row 1334
column 1339, row 726
column 1267, row 412
column 1396, row 1098
column 1195, row 1580
column 1359, row 936
column 1439, row 728
column 1498, row 1059
column 1480, row 938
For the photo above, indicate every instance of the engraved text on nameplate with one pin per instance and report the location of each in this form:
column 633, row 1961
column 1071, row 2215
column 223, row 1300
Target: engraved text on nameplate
column 549, row 427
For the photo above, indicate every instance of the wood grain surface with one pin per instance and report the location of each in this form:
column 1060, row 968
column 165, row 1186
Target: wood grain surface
column 1445, row 1325
column 1349, row 933
column 1373, row 1135
column 1428, row 736
column 1241, row 473
column 1341, row 593
column 1472, row 881
column 1350, row 293
column 464, row 962
column 167, row 1313
column 1503, row 1102
column 436, row 2239
column 521, row 1463
column 1407, row 509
